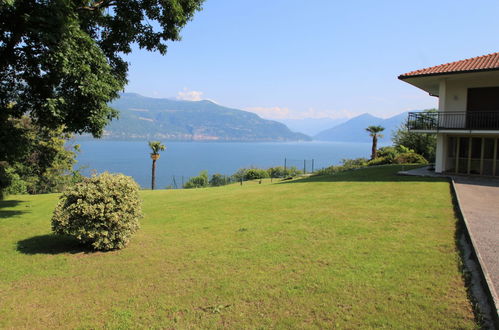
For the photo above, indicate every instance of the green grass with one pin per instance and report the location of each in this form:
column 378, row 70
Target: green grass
column 361, row 249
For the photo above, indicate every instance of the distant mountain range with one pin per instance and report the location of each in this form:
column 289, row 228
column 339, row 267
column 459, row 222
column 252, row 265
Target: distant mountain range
column 311, row 126
column 354, row 130
column 166, row 119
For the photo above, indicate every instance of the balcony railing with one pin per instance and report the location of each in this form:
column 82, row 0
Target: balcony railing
column 468, row 120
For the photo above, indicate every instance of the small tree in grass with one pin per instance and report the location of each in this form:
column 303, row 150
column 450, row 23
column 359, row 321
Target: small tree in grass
column 102, row 211
column 156, row 147
column 375, row 133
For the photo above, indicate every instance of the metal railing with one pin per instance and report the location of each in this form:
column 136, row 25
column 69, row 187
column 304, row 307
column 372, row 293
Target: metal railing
column 469, row 120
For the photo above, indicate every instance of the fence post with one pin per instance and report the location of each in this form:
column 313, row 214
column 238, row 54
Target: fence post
column 312, row 166
column 304, row 166
column 284, row 164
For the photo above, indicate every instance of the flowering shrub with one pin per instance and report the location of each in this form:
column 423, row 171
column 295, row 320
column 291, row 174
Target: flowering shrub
column 102, row 211
column 410, row 158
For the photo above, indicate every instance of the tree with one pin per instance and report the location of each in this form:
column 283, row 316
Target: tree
column 45, row 166
column 375, row 133
column 156, row 147
column 218, row 179
column 61, row 61
column 422, row 143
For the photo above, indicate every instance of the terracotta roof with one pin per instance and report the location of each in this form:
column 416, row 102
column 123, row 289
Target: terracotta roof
column 480, row 63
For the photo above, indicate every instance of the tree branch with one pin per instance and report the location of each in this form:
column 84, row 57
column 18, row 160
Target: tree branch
column 98, row 5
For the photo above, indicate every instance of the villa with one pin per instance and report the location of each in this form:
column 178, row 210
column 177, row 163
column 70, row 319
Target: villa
column 467, row 120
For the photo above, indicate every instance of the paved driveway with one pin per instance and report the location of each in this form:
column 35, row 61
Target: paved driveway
column 479, row 199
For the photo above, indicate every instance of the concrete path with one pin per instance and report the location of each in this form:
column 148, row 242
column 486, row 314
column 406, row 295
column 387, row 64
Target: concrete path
column 479, row 200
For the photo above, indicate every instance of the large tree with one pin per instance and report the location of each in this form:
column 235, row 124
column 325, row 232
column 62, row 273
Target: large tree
column 61, row 60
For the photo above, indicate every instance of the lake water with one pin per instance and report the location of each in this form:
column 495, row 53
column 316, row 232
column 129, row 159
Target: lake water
column 186, row 159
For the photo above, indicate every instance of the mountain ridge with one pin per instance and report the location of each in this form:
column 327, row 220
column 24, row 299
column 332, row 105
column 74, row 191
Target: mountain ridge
column 146, row 118
column 353, row 130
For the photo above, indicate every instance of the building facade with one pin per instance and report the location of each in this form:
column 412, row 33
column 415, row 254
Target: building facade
column 467, row 120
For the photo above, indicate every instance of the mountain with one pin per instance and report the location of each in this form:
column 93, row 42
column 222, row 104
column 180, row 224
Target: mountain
column 166, row 119
column 311, row 126
column 354, row 130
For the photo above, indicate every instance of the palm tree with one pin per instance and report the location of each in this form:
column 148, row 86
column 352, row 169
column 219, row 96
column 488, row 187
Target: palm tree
column 374, row 132
column 156, row 147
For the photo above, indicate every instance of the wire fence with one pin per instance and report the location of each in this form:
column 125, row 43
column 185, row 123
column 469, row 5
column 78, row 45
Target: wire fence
column 290, row 167
column 301, row 164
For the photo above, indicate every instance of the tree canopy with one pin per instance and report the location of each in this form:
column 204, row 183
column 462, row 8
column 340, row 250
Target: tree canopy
column 424, row 144
column 156, row 147
column 61, row 60
column 375, row 131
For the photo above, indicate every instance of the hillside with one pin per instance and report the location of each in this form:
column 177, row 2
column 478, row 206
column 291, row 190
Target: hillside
column 150, row 118
column 354, row 129
column 323, row 253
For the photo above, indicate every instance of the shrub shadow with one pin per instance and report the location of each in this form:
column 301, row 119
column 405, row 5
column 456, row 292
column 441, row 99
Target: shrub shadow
column 10, row 213
column 10, row 203
column 4, row 214
column 51, row 244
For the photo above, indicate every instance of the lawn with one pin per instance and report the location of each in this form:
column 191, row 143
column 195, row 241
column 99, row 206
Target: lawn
column 361, row 249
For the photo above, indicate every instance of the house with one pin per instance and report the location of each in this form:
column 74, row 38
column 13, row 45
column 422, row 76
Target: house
column 467, row 120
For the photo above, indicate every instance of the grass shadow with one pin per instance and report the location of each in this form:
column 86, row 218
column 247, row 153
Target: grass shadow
column 388, row 173
column 4, row 214
column 51, row 244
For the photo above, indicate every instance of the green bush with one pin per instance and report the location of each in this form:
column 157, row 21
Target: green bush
column 410, row 158
column 199, row 181
column 255, row 174
column 292, row 172
column 380, row 161
column 387, row 152
column 14, row 184
column 239, row 175
column 347, row 164
column 102, row 211
column 276, row 172
column 354, row 163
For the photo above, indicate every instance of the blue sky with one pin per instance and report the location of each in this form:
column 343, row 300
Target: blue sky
column 315, row 58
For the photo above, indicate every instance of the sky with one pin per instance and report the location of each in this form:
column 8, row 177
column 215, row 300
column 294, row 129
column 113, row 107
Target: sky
column 293, row 59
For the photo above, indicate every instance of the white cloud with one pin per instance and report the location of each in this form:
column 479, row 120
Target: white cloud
column 188, row 95
column 286, row 113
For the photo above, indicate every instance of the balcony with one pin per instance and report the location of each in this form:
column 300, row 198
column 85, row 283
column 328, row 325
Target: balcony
column 445, row 121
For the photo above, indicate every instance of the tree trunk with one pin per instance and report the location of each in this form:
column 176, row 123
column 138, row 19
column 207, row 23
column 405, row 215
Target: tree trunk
column 153, row 177
column 374, row 152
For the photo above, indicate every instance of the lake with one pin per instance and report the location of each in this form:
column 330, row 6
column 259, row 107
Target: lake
column 186, row 159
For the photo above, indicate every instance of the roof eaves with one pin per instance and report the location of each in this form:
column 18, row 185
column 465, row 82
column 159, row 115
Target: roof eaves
column 404, row 76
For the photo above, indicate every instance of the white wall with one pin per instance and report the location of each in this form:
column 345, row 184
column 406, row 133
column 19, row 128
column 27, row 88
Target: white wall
column 456, row 90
